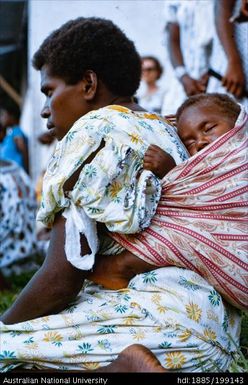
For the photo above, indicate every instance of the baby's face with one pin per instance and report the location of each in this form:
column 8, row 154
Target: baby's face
column 199, row 126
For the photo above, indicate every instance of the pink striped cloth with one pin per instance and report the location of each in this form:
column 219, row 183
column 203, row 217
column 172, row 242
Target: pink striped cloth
column 201, row 220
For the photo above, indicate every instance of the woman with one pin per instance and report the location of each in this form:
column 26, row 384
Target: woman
column 85, row 69
column 14, row 146
column 18, row 242
column 150, row 94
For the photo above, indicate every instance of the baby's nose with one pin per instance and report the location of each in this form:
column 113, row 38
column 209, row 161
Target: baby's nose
column 201, row 144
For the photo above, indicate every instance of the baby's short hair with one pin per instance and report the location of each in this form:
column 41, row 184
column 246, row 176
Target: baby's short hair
column 224, row 102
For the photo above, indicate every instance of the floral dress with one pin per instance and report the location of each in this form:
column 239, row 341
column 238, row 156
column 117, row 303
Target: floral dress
column 113, row 188
column 18, row 207
column 172, row 311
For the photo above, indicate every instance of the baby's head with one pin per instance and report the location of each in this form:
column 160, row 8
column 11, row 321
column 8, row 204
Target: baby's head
column 203, row 118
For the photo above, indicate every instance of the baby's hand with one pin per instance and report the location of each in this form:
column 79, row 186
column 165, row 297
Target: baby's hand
column 158, row 161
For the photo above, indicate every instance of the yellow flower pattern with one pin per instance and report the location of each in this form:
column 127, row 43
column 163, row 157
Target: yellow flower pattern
column 91, row 365
column 194, row 312
column 151, row 116
column 52, row 337
column 186, row 334
column 210, row 334
column 114, row 189
column 135, row 138
column 175, row 360
column 129, row 321
column 138, row 335
column 161, row 309
column 32, row 346
column 120, row 108
column 156, row 298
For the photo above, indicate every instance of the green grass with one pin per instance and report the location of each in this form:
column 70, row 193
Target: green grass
column 17, row 282
column 240, row 364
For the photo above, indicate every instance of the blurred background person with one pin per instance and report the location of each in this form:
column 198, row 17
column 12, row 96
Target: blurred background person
column 14, row 146
column 230, row 49
column 43, row 233
column 48, row 140
column 2, row 136
column 150, row 93
column 18, row 242
column 189, row 28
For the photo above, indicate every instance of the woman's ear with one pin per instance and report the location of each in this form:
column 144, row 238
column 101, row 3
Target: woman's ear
column 89, row 84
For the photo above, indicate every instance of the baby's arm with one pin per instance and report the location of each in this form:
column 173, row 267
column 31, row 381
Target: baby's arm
column 158, row 161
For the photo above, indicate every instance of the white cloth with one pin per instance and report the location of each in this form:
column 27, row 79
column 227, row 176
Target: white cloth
column 151, row 102
column 77, row 222
column 218, row 60
column 196, row 23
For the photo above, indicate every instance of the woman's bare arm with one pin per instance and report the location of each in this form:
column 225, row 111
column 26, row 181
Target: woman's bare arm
column 233, row 79
column 191, row 86
column 54, row 285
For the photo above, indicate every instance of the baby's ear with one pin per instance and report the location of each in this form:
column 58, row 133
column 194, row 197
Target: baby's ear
column 89, row 84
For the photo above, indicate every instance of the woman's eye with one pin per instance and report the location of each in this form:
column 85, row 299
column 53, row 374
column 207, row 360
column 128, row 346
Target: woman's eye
column 48, row 92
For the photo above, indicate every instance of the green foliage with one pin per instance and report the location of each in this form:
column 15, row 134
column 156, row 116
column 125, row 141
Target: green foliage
column 240, row 363
column 244, row 334
column 6, row 299
column 17, row 282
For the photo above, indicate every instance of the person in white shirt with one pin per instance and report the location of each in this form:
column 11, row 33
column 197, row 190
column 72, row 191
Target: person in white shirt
column 150, row 93
column 189, row 26
column 229, row 57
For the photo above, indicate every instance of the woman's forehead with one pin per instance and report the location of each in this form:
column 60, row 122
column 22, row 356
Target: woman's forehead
column 47, row 78
column 46, row 73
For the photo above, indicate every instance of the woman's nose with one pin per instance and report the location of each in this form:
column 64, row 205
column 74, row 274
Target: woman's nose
column 45, row 112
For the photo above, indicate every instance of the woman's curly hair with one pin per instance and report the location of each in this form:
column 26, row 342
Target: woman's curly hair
column 91, row 44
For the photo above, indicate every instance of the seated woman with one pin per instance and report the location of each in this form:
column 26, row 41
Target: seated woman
column 87, row 65
column 19, row 247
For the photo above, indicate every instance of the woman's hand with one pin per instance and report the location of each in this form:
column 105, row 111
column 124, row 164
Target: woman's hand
column 158, row 161
column 244, row 9
column 192, row 86
column 54, row 285
column 234, row 78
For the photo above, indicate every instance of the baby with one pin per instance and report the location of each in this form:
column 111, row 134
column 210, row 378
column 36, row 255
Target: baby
column 201, row 119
